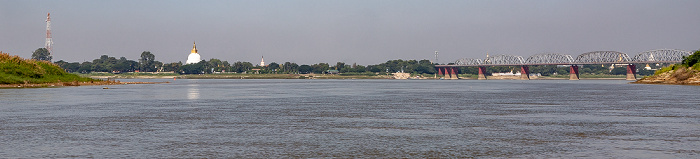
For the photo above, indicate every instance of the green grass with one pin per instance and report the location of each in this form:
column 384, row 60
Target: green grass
column 15, row 70
column 665, row 69
column 696, row 66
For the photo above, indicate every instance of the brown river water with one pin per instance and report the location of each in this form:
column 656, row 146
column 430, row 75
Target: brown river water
column 353, row 119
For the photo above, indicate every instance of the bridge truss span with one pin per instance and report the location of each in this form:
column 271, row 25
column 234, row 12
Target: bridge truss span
column 468, row 62
column 549, row 59
column 504, row 60
column 661, row 56
column 600, row 57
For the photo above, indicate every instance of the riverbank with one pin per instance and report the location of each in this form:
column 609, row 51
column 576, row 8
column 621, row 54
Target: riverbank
column 74, row 83
column 28, row 72
column 679, row 76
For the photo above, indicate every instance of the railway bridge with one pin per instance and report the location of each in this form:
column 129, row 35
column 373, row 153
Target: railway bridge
column 595, row 57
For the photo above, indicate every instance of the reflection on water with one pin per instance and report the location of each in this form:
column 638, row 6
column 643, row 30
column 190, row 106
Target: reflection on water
column 353, row 119
column 193, row 91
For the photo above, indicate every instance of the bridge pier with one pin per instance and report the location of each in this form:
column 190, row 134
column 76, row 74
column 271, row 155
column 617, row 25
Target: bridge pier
column 449, row 72
column 453, row 73
column 524, row 73
column 631, row 72
column 573, row 73
column 482, row 72
column 446, row 72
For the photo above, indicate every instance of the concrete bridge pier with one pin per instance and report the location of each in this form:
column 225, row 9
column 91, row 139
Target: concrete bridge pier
column 631, row 72
column 449, row 72
column 453, row 72
column 445, row 71
column 573, row 73
column 524, row 73
column 482, row 72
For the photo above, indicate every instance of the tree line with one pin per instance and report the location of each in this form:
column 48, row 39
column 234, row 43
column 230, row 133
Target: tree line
column 147, row 63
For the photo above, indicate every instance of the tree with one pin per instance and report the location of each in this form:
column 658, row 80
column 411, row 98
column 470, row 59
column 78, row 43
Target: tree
column 290, row 67
column 273, row 66
column 688, row 61
column 339, row 65
column 305, row 69
column 241, row 66
column 195, row 68
column 216, row 63
column 41, row 54
column 320, row 67
column 146, row 62
column 175, row 66
column 619, row 71
column 85, row 67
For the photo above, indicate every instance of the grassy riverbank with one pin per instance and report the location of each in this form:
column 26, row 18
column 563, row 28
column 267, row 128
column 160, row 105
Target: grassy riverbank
column 674, row 74
column 15, row 70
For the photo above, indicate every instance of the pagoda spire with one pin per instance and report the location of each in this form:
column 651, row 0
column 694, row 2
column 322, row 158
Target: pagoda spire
column 194, row 47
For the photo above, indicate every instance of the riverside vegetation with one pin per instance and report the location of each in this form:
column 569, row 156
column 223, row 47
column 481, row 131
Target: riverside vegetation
column 15, row 70
column 686, row 73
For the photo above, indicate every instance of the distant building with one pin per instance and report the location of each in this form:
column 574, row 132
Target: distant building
column 332, row 71
column 262, row 61
column 194, row 56
column 649, row 67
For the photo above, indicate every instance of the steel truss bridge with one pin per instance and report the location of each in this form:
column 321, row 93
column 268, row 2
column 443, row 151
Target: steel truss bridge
column 595, row 57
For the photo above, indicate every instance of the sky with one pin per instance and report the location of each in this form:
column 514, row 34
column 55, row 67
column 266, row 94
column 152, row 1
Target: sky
column 352, row 31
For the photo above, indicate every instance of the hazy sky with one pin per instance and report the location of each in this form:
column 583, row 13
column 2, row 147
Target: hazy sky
column 352, row 31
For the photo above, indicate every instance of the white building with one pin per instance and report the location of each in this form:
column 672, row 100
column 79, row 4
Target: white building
column 194, row 56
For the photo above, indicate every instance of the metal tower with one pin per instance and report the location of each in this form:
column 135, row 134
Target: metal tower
column 436, row 57
column 49, row 42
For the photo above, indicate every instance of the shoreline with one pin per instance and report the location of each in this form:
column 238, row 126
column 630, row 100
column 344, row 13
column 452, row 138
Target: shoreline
column 679, row 76
column 74, row 83
column 663, row 83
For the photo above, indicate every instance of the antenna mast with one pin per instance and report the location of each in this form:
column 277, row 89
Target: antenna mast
column 436, row 57
column 49, row 42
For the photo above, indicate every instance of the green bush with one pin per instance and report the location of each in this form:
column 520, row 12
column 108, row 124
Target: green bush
column 665, row 69
column 691, row 60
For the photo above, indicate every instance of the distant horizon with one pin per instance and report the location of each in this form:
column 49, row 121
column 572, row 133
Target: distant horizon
column 362, row 32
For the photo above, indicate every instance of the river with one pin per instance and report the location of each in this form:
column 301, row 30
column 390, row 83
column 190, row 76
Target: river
column 353, row 118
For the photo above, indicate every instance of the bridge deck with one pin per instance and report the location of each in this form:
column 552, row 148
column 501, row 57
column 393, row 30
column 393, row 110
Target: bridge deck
column 536, row 64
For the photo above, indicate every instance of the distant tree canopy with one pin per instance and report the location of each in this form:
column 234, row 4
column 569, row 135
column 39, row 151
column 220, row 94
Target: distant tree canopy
column 273, row 66
column 305, row 69
column 102, row 64
column 195, row 68
column 41, row 54
column 407, row 66
column 147, row 62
